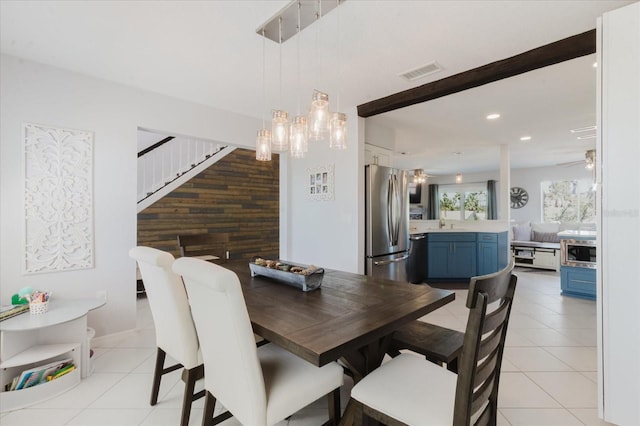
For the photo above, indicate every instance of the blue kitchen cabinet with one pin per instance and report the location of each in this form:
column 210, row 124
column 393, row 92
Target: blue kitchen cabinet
column 451, row 255
column 438, row 259
column 578, row 282
column 493, row 252
column 463, row 260
column 487, row 253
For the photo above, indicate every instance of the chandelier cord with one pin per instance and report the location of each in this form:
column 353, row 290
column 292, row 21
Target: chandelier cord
column 319, row 38
column 298, row 54
column 338, row 50
column 318, row 44
column 264, row 82
column 280, row 59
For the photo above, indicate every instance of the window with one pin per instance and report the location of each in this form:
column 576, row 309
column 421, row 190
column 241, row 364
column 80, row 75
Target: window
column 463, row 202
column 568, row 201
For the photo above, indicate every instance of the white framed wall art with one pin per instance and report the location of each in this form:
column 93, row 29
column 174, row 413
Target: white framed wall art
column 58, row 199
column 320, row 184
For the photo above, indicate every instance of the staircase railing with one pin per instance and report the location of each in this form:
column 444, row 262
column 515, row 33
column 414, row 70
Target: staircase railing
column 169, row 163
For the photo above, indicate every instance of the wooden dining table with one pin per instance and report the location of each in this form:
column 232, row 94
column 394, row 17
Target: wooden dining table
column 351, row 317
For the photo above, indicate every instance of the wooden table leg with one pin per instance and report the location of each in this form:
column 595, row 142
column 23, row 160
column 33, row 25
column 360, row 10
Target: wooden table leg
column 361, row 363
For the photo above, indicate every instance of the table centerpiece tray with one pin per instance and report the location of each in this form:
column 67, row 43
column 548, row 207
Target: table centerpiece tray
column 305, row 277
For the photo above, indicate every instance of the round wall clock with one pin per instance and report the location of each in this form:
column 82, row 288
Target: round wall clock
column 519, row 197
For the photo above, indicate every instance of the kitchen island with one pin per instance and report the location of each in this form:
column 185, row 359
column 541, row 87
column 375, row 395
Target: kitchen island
column 459, row 251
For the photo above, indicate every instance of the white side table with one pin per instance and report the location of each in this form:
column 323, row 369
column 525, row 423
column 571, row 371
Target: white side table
column 27, row 341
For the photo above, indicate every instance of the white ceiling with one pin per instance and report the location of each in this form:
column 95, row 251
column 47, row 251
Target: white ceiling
column 544, row 104
column 208, row 52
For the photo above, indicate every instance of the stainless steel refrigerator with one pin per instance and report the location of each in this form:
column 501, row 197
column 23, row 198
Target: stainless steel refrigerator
column 386, row 222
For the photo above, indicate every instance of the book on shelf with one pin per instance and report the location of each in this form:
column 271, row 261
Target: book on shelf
column 41, row 374
column 9, row 311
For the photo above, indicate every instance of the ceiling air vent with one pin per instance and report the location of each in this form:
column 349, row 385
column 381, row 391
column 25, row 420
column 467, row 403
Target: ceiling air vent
column 422, row 71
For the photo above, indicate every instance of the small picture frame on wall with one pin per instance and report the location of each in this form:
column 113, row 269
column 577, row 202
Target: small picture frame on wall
column 320, row 184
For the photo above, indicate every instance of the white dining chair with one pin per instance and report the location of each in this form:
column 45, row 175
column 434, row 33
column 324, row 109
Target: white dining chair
column 258, row 385
column 409, row 390
column 175, row 331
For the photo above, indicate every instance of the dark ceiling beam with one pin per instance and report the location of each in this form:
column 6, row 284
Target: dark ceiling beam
column 549, row 54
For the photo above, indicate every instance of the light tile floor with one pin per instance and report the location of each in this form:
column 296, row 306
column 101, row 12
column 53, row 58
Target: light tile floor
column 548, row 372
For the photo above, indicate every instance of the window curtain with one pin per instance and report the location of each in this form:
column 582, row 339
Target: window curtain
column 433, row 206
column 492, row 203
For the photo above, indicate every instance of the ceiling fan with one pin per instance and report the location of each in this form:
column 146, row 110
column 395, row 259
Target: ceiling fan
column 589, row 160
column 419, row 176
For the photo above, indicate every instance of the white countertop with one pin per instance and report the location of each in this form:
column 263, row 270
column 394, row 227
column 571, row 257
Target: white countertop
column 428, row 226
column 576, row 233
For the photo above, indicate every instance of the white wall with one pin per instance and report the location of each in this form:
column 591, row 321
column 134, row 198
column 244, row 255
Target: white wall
column 530, row 180
column 379, row 135
column 41, row 94
column 619, row 255
column 326, row 233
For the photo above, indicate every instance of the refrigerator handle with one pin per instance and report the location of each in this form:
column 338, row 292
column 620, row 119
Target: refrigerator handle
column 386, row 262
column 390, row 210
column 395, row 219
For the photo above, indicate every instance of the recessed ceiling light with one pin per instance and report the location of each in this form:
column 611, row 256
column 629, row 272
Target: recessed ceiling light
column 586, row 137
column 493, row 116
column 583, row 129
column 525, row 138
column 595, row 65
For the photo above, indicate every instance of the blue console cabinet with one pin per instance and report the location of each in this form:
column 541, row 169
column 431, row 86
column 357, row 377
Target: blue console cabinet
column 575, row 279
column 578, row 282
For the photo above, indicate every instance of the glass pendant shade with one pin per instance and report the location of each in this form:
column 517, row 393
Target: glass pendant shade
column 338, row 131
column 319, row 116
column 280, row 131
column 298, row 137
column 263, row 145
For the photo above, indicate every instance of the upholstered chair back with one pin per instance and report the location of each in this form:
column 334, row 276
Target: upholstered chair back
column 175, row 330
column 232, row 369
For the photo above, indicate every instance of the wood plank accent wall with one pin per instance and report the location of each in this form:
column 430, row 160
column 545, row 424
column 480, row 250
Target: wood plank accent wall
column 237, row 195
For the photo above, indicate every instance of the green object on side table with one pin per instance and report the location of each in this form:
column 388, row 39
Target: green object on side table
column 17, row 300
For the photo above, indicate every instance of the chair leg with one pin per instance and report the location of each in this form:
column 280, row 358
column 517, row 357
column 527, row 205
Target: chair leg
column 209, row 407
column 358, row 414
column 334, row 407
column 157, row 375
column 189, row 376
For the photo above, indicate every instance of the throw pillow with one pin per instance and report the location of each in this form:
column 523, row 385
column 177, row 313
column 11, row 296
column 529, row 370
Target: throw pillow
column 545, row 227
column 546, row 237
column 522, row 233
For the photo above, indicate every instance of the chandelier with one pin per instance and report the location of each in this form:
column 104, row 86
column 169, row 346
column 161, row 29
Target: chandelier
column 320, row 123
